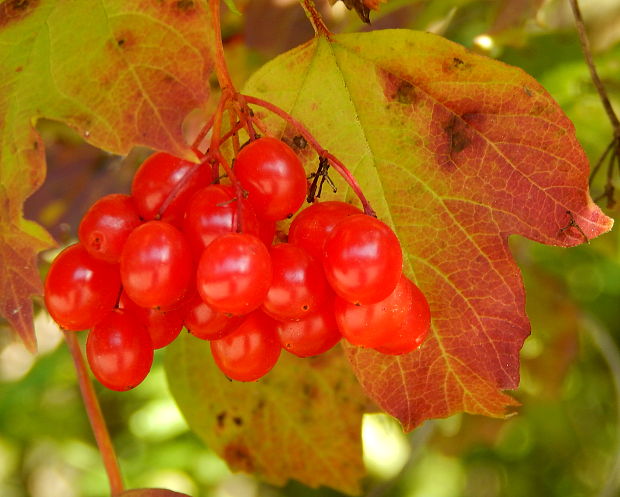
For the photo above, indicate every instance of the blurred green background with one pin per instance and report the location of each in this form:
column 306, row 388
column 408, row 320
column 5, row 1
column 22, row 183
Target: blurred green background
column 564, row 440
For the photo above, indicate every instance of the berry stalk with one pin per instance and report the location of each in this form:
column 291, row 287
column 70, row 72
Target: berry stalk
column 95, row 416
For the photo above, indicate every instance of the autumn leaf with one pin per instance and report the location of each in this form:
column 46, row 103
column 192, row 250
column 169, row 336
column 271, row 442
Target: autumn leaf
column 302, row 420
column 457, row 152
column 124, row 74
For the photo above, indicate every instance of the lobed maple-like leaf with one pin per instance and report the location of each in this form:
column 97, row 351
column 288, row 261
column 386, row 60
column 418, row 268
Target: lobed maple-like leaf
column 457, row 152
column 120, row 73
column 302, row 420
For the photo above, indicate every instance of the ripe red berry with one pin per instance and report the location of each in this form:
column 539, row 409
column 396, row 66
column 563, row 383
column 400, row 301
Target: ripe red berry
column 106, row 225
column 396, row 325
column 119, row 351
column 155, row 268
column 250, row 351
column 79, row 289
column 298, row 286
column 362, row 259
column 213, row 211
column 234, row 273
column 207, row 324
column 163, row 326
column 312, row 225
column 273, row 176
column 163, row 185
column 313, row 335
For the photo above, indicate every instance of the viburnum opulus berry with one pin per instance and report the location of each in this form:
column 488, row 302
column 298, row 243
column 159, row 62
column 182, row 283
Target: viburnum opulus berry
column 119, row 351
column 155, row 268
column 362, row 259
column 79, row 289
column 273, row 176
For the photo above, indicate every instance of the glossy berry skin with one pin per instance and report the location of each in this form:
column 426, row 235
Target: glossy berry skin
column 205, row 323
column 250, row 351
column 119, row 351
column 213, row 211
column 312, row 225
column 396, row 325
column 163, row 326
column 313, row 335
column 298, row 286
column 106, row 225
column 164, row 184
column 273, row 176
column 155, row 267
column 411, row 335
column 362, row 259
column 79, row 289
column 234, row 273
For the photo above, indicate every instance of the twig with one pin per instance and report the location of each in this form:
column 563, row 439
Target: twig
column 585, row 46
column 95, row 416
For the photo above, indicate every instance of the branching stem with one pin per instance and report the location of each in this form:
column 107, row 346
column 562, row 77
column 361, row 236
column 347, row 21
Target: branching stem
column 95, row 416
column 614, row 146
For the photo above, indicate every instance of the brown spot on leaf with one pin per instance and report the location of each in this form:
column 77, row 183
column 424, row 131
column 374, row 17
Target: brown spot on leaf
column 184, row 5
column 238, row 420
column 19, row 69
column 397, row 89
column 15, row 10
column 454, row 64
column 456, row 131
column 238, row 457
column 221, row 419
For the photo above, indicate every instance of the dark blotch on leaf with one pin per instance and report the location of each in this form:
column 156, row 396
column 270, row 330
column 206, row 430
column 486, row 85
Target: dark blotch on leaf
column 185, row 5
column 15, row 10
column 237, row 420
column 221, row 418
column 238, row 457
column 457, row 135
column 397, row 89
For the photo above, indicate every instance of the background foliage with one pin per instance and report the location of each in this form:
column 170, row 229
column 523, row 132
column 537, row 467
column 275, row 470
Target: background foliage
column 564, row 441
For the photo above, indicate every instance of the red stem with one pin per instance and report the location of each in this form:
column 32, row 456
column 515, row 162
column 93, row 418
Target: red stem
column 334, row 161
column 95, row 416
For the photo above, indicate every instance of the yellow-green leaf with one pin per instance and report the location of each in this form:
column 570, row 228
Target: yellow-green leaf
column 301, row 421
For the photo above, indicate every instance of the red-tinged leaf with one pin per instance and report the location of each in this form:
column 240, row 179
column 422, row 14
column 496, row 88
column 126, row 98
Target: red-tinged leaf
column 457, row 152
column 19, row 277
column 120, row 73
column 302, row 420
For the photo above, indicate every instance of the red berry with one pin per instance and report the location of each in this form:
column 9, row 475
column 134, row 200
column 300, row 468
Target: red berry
column 250, row 351
column 79, row 289
column 362, row 259
column 119, row 351
column 205, row 323
column 311, row 226
column 313, row 335
column 163, row 185
column 298, row 286
column 234, row 273
column 213, row 211
column 105, row 227
column 163, row 326
column 396, row 325
column 273, row 176
column 155, row 268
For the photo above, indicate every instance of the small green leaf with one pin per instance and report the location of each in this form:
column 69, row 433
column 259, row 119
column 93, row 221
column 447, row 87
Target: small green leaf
column 232, row 7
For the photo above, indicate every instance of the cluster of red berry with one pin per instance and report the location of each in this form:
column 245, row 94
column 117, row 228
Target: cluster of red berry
column 186, row 250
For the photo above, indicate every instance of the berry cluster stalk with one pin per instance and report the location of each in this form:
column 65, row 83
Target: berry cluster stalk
column 95, row 416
